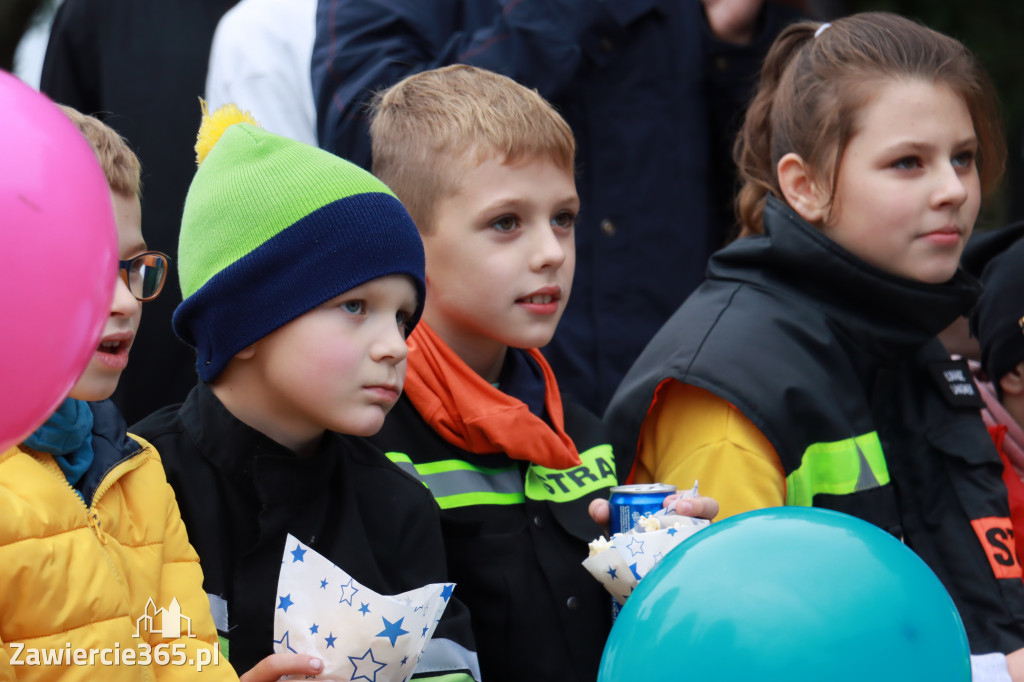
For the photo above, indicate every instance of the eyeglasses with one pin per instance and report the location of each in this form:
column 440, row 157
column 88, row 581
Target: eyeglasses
column 145, row 274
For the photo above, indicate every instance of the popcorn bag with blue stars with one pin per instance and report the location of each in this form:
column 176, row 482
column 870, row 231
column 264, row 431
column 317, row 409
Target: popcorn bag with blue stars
column 620, row 563
column 358, row 634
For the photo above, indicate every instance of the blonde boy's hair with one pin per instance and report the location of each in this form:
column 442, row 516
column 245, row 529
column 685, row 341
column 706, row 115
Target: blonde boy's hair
column 119, row 163
column 433, row 126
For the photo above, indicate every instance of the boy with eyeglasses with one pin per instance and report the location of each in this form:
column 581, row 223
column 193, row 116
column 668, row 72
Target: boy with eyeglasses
column 91, row 540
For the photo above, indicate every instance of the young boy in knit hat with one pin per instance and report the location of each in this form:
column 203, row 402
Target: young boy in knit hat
column 997, row 322
column 485, row 167
column 91, row 541
column 301, row 275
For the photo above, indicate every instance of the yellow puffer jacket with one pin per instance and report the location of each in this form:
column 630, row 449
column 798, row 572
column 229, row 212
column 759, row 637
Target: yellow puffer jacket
column 77, row 577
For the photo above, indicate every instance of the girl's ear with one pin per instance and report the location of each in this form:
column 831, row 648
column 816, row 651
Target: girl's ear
column 1012, row 382
column 800, row 190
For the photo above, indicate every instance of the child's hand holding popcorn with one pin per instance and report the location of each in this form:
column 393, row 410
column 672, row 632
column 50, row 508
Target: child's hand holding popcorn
column 697, row 507
column 620, row 562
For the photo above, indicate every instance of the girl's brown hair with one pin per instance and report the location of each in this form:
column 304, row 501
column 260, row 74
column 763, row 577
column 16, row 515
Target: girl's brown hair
column 816, row 78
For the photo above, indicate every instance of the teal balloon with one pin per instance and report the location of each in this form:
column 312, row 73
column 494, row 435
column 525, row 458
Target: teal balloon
column 789, row 594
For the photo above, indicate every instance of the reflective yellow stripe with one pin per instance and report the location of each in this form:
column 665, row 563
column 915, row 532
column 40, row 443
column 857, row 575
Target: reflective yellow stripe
column 596, row 471
column 475, row 499
column 456, row 483
column 839, row 468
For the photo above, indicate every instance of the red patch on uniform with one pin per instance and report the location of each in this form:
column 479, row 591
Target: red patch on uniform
column 996, row 536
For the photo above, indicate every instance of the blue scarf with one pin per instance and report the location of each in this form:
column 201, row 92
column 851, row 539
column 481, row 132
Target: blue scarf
column 67, row 435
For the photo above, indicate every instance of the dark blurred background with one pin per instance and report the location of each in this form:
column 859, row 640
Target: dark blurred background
column 992, row 29
column 15, row 18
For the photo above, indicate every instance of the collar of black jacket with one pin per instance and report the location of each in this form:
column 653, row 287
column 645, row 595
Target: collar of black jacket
column 238, row 449
column 887, row 313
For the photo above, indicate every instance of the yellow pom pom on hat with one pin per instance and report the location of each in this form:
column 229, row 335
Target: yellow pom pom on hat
column 273, row 228
column 213, row 126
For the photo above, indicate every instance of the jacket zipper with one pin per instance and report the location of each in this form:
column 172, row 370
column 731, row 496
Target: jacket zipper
column 92, row 515
column 129, row 464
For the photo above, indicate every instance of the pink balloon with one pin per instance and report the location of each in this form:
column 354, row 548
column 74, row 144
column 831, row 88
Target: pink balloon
column 58, row 257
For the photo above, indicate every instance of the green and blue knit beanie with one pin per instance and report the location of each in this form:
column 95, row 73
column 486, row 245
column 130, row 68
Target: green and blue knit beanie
column 272, row 228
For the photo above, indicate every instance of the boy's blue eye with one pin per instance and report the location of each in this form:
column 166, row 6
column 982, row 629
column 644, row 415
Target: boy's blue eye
column 505, row 223
column 353, row 307
column 403, row 318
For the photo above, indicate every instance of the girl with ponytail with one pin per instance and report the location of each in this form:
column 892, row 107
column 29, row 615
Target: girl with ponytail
column 805, row 371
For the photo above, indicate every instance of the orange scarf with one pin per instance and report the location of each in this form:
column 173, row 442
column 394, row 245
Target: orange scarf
column 473, row 415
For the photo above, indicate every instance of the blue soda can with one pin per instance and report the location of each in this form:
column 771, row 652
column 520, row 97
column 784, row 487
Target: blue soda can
column 631, row 502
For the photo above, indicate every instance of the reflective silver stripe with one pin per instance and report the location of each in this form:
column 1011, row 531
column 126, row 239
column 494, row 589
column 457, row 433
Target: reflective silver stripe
column 866, row 479
column 404, row 463
column 219, row 611
column 443, row 654
column 460, row 482
column 455, row 483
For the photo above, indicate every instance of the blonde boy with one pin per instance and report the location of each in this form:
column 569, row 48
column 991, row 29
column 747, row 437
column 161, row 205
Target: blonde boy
column 485, row 167
column 91, row 541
